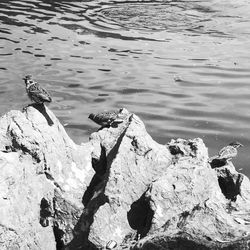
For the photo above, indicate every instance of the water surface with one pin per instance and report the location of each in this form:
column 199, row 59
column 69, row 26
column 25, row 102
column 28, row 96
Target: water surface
column 182, row 66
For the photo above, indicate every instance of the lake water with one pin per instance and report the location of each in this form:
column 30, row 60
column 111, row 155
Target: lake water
column 182, row 66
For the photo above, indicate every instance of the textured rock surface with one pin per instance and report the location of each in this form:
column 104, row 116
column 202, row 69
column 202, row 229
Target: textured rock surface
column 43, row 177
column 133, row 162
column 121, row 189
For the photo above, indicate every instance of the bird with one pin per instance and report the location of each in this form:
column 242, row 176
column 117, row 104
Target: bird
column 107, row 118
column 227, row 153
column 35, row 92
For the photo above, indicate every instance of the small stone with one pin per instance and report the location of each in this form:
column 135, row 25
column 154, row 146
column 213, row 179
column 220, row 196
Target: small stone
column 111, row 244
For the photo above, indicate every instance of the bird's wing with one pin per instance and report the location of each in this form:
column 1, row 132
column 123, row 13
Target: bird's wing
column 227, row 152
column 100, row 119
column 107, row 116
column 40, row 93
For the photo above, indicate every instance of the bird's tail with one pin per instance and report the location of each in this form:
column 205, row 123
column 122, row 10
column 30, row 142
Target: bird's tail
column 91, row 116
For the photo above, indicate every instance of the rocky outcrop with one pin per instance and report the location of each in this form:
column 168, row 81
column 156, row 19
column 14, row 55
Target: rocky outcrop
column 43, row 177
column 120, row 190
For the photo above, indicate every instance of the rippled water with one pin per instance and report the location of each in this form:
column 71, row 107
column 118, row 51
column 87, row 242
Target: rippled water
column 182, row 66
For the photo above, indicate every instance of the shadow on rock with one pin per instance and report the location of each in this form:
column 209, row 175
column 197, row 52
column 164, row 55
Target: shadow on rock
column 216, row 163
column 230, row 184
column 140, row 216
column 41, row 108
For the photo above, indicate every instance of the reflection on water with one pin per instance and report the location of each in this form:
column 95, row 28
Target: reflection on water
column 182, row 66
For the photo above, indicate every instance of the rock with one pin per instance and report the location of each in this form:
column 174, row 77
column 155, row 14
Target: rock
column 154, row 196
column 111, row 244
column 133, row 161
column 43, row 177
column 120, row 190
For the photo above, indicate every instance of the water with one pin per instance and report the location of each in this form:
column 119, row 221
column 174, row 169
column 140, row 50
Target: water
column 182, row 66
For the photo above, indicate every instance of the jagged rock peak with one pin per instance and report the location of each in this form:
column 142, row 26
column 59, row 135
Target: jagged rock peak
column 120, row 190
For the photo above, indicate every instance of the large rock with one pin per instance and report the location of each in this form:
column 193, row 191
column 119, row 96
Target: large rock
column 164, row 197
column 43, row 177
column 133, row 160
column 121, row 189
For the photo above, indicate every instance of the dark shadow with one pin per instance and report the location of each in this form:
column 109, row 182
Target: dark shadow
column 115, row 124
column 58, row 237
column 91, row 189
column 216, row 163
column 80, row 240
column 45, row 212
column 7, row 149
column 229, row 187
column 140, row 216
column 41, row 108
column 100, row 165
column 175, row 150
column 16, row 145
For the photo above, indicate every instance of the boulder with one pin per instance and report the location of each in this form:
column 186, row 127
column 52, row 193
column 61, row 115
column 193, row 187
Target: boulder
column 43, row 176
column 120, row 190
column 133, row 160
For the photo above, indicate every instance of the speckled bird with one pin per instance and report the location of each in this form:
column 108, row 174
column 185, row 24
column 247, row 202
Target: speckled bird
column 35, row 92
column 107, row 118
column 228, row 152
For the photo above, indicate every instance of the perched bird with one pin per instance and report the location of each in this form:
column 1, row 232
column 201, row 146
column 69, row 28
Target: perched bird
column 35, row 92
column 227, row 153
column 107, row 118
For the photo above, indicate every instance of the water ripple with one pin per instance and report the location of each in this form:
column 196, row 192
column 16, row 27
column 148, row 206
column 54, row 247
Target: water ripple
column 182, row 66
